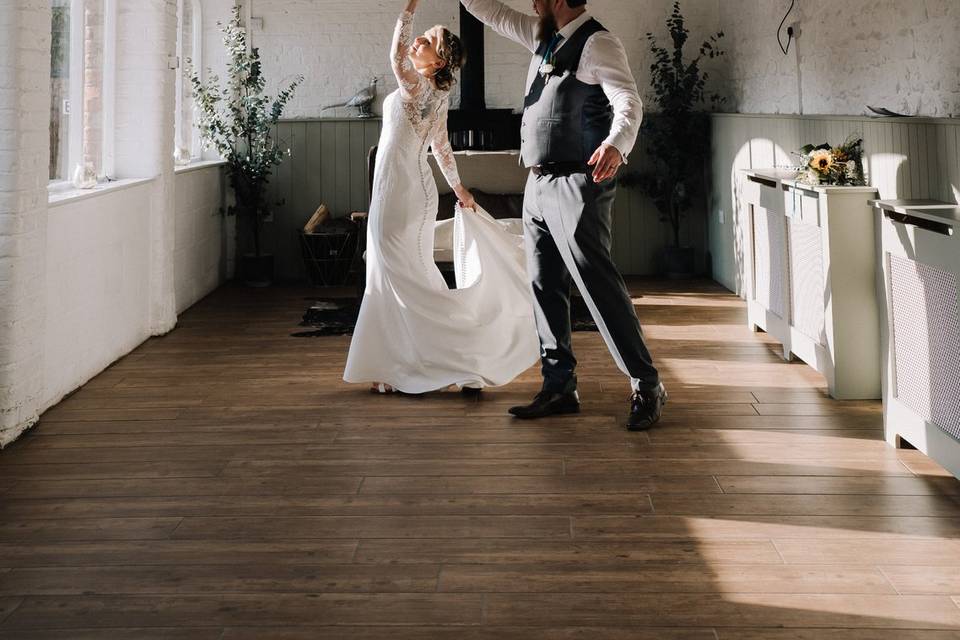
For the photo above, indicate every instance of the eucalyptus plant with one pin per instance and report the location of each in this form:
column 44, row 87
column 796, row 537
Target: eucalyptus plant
column 237, row 120
column 677, row 137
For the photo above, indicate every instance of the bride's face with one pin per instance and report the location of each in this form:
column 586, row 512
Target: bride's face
column 423, row 52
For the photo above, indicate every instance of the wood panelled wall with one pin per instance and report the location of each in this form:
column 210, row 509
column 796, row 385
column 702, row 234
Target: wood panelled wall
column 327, row 163
column 904, row 158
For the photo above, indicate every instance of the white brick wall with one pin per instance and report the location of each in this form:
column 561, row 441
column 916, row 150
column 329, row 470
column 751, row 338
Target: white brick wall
column 24, row 148
column 199, row 264
column 144, row 129
column 894, row 53
column 889, row 52
column 339, row 46
column 96, row 299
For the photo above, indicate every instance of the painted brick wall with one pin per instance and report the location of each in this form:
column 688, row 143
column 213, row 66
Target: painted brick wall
column 144, row 130
column 339, row 46
column 24, row 148
column 894, row 53
column 199, row 236
column 888, row 52
column 97, row 262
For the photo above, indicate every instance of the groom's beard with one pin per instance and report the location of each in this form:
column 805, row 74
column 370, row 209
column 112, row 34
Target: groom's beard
column 546, row 27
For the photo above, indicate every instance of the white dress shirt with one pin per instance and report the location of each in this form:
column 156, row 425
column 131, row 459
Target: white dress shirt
column 604, row 62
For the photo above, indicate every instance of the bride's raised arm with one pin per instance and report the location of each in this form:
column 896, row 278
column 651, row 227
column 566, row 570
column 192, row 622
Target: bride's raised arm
column 407, row 76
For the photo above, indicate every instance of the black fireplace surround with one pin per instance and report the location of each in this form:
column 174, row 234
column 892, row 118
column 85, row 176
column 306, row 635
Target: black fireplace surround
column 473, row 126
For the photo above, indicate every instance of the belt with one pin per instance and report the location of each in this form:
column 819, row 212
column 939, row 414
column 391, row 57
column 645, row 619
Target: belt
column 558, row 168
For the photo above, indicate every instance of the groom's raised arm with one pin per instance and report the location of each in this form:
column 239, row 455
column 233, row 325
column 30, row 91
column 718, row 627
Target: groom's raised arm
column 508, row 22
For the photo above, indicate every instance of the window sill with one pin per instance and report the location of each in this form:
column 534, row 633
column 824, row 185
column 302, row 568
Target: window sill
column 197, row 165
column 66, row 195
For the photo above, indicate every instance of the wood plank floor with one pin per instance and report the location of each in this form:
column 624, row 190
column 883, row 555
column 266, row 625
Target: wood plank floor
column 221, row 482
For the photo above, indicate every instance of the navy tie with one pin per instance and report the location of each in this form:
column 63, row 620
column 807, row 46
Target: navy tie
column 552, row 47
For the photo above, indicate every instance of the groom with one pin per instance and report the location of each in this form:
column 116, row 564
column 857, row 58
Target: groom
column 581, row 118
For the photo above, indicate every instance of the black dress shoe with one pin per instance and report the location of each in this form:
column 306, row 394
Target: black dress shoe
column 646, row 406
column 548, row 403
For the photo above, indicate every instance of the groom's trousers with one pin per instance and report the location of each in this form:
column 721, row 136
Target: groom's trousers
column 567, row 235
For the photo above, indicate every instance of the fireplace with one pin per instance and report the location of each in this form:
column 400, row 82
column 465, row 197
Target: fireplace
column 473, row 126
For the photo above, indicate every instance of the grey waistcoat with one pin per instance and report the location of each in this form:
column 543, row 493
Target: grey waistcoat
column 565, row 120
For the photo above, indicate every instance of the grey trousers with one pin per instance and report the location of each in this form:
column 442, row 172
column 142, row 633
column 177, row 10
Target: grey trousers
column 566, row 223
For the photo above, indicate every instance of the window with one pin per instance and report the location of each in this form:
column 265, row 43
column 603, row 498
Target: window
column 187, row 147
column 81, row 84
column 62, row 55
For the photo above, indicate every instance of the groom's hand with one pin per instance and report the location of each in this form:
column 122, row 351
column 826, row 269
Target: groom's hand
column 606, row 161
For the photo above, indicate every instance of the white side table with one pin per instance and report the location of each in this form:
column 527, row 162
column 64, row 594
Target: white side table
column 810, row 263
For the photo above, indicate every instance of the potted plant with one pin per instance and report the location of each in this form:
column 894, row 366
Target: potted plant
column 236, row 120
column 677, row 137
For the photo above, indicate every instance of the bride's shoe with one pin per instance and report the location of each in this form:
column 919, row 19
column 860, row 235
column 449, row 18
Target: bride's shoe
column 380, row 387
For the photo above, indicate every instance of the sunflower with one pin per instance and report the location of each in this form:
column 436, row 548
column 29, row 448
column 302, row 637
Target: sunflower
column 821, row 160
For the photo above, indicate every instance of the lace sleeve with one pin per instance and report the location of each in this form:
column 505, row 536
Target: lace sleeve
column 407, row 76
column 442, row 150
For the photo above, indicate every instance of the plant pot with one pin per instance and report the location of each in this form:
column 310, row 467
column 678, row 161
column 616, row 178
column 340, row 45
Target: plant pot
column 679, row 263
column 256, row 271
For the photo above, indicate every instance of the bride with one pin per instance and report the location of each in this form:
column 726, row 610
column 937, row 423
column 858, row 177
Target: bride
column 414, row 334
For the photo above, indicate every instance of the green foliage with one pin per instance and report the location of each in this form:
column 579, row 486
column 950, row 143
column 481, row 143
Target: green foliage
column 677, row 138
column 237, row 120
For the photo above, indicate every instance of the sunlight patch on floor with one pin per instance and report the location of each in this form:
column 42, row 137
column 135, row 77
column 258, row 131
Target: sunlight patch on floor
column 831, row 533
column 927, row 612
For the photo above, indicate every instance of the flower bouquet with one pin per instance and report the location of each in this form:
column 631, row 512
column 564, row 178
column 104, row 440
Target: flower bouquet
column 834, row 166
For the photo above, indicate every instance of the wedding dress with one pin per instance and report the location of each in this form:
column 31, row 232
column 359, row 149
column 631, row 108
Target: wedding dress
column 413, row 332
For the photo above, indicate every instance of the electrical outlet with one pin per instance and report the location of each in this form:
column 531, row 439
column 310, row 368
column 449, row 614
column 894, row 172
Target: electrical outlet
column 256, row 23
column 794, row 30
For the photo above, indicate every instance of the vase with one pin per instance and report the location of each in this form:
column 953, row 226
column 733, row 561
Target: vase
column 256, row 271
column 679, row 263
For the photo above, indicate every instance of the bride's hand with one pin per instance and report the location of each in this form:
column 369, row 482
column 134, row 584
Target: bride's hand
column 465, row 198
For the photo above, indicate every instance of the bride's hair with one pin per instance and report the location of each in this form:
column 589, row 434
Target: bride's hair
column 451, row 51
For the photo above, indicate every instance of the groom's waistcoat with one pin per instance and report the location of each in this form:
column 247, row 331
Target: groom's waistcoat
column 564, row 119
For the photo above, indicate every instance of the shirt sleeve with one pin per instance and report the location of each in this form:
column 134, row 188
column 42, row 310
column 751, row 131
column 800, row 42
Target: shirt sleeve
column 508, row 22
column 407, row 76
column 442, row 151
column 605, row 61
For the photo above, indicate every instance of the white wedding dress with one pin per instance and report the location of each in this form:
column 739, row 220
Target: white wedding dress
column 413, row 332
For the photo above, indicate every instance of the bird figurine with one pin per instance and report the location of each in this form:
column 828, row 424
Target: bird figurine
column 363, row 100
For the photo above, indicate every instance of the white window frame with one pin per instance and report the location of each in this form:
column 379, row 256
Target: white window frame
column 77, row 53
column 196, row 145
column 108, row 91
column 75, row 99
column 75, row 96
column 182, row 89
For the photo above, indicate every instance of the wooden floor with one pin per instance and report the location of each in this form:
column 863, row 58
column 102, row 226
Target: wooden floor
column 223, row 483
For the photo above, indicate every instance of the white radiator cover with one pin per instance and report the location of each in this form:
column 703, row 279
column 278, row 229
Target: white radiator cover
column 925, row 330
column 811, row 269
column 920, row 278
column 806, row 282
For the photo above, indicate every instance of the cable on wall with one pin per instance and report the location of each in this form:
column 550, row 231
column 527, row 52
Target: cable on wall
column 786, row 48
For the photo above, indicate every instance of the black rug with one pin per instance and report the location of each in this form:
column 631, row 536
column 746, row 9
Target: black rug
column 338, row 316
column 329, row 317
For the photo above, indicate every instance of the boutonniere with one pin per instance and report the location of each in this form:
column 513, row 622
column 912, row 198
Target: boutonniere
column 546, row 69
